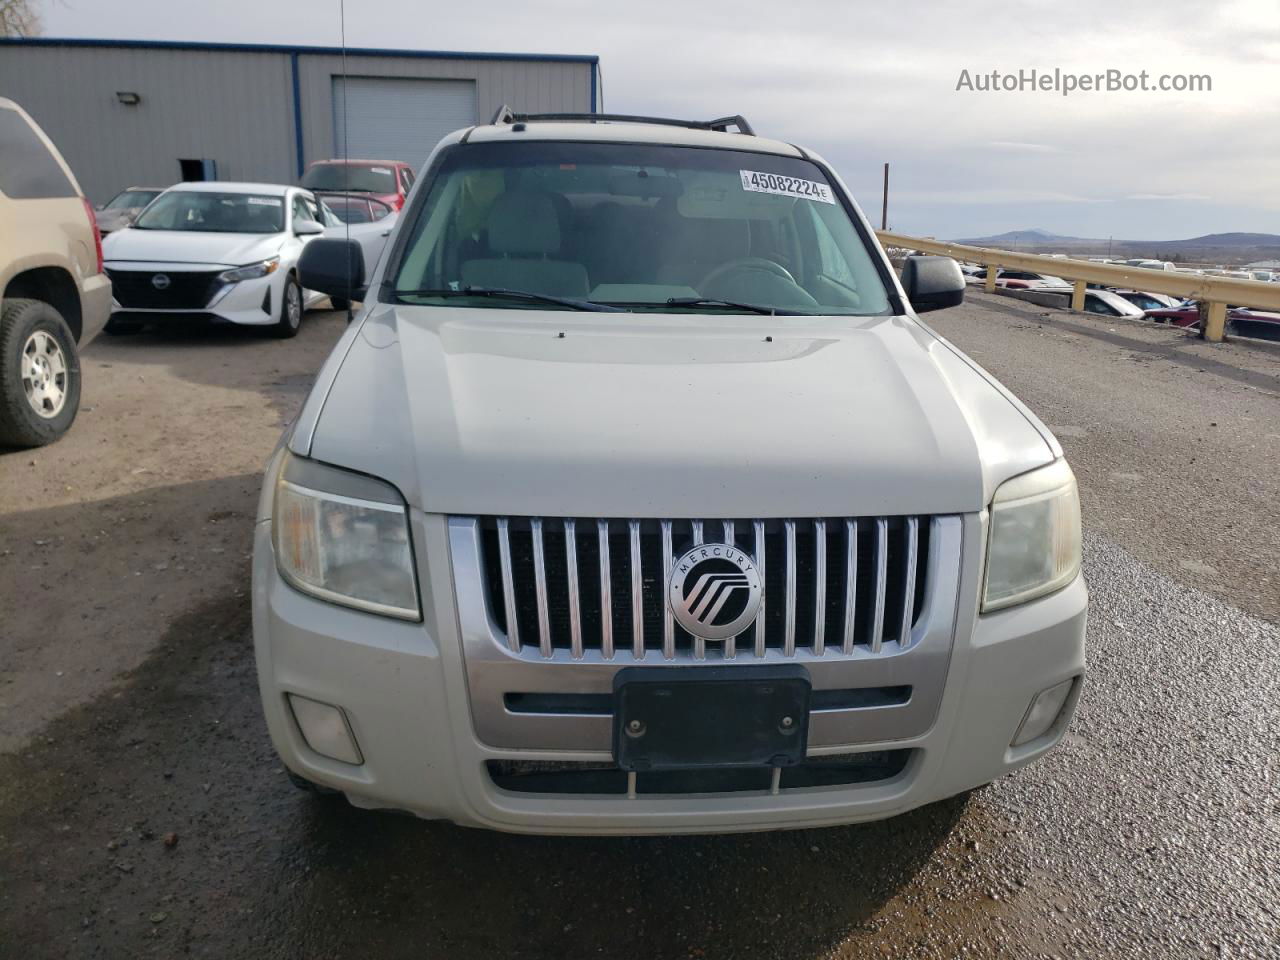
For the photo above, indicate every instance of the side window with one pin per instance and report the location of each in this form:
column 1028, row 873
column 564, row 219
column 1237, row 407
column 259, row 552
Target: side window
column 300, row 211
column 28, row 171
column 313, row 210
column 406, row 178
column 831, row 262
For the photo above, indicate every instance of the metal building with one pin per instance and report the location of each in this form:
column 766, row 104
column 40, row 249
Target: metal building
column 147, row 113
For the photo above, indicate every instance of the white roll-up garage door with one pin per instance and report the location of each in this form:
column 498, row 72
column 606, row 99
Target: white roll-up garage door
column 395, row 118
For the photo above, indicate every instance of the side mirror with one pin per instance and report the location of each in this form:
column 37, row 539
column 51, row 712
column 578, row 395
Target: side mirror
column 307, row 228
column 334, row 267
column 932, row 283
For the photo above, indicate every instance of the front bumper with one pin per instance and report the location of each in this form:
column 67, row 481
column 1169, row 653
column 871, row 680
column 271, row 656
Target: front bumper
column 404, row 689
column 249, row 302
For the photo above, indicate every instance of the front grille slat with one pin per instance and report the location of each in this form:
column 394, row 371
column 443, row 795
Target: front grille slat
column 882, row 583
column 851, row 587
column 637, row 591
column 909, row 579
column 606, row 591
column 540, row 589
column 832, row 587
column 508, row 585
column 571, row 574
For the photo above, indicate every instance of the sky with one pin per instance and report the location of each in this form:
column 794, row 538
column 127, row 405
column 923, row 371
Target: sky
column 868, row 83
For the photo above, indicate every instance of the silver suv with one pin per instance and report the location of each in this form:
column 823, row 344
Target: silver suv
column 54, row 297
column 637, row 499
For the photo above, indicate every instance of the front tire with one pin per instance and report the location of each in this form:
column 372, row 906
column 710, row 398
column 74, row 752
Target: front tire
column 290, row 310
column 39, row 374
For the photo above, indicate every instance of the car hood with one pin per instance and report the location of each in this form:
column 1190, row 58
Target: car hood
column 574, row 414
column 190, row 246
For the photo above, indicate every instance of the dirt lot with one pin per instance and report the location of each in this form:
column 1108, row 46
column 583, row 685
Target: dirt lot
column 143, row 812
column 143, row 511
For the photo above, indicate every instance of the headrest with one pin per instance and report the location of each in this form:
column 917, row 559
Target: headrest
column 523, row 223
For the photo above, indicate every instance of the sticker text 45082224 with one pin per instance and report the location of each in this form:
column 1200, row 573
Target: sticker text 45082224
column 786, row 186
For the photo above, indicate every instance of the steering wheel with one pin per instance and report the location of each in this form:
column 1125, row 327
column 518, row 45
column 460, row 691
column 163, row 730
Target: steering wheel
column 747, row 265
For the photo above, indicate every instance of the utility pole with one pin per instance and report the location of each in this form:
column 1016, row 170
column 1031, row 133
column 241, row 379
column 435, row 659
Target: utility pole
column 884, row 204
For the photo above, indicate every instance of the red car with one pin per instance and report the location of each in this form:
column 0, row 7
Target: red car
column 385, row 180
column 1240, row 320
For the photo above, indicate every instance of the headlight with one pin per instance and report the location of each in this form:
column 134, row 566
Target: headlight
column 344, row 537
column 251, row 271
column 1034, row 544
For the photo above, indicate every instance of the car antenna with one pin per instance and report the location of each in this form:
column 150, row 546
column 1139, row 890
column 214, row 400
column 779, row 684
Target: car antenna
column 346, row 154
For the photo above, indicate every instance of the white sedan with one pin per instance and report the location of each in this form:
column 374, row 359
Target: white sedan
column 221, row 251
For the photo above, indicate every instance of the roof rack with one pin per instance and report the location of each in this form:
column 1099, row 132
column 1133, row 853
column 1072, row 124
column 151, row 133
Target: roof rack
column 505, row 114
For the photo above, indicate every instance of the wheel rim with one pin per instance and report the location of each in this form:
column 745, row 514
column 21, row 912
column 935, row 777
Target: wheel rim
column 293, row 305
column 44, row 374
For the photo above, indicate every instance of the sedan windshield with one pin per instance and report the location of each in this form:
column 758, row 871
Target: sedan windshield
column 208, row 212
column 131, row 198
column 666, row 228
column 350, row 176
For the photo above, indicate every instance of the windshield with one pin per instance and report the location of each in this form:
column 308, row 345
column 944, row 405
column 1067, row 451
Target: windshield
column 637, row 226
column 209, row 212
column 131, row 198
column 350, row 176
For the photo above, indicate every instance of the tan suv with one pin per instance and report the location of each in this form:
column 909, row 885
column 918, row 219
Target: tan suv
column 54, row 297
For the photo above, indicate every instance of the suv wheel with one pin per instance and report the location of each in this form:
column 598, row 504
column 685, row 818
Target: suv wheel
column 290, row 310
column 39, row 374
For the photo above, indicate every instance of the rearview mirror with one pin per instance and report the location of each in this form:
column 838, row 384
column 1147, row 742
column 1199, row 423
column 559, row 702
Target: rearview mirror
column 307, row 228
column 334, row 267
column 932, row 283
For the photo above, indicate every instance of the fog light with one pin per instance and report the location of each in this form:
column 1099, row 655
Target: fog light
column 325, row 729
column 1043, row 712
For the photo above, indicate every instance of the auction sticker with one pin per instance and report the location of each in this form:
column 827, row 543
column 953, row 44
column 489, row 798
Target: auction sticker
column 786, row 186
column 264, row 201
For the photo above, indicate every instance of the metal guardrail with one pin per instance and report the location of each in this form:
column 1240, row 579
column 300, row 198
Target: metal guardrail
column 1215, row 292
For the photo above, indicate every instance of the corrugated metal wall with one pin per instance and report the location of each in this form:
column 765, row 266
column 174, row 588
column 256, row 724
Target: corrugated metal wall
column 235, row 107
column 527, row 85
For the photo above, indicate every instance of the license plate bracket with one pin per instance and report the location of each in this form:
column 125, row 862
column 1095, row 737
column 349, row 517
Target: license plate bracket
column 681, row 718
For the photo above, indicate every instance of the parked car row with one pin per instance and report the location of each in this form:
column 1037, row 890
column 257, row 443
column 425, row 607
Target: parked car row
column 216, row 251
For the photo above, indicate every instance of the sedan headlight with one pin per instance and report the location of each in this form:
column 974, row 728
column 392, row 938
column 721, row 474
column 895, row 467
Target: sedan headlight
column 344, row 537
column 250, row 271
column 1034, row 544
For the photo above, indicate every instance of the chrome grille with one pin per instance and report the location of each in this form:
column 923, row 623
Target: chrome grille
column 832, row 587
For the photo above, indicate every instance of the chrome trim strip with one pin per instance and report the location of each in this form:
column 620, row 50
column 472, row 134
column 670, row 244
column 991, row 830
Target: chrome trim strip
column 758, row 526
column 571, row 573
column 606, row 591
column 508, row 584
column 789, row 611
column 819, row 587
column 730, row 643
column 637, row 594
column 668, row 622
column 909, row 582
column 850, row 586
column 882, row 577
column 540, row 588
column 697, row 531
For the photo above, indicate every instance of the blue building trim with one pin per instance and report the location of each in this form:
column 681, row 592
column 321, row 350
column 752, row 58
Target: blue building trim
column 299, row 50
column 594, row 68
column 297, row 112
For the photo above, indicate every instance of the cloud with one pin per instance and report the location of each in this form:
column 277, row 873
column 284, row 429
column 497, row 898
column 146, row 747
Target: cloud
column 847, row 80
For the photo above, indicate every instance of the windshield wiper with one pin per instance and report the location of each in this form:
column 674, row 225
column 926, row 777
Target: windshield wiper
column 749, row 307
column 499, row 293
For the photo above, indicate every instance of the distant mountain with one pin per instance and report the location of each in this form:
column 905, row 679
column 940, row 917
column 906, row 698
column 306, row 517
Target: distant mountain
column 1210, row 249
column 1225, row 240
column 1023, row 237
column 1039, row 238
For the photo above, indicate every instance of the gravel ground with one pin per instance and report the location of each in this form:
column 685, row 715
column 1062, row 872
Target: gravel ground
column 149, row 816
